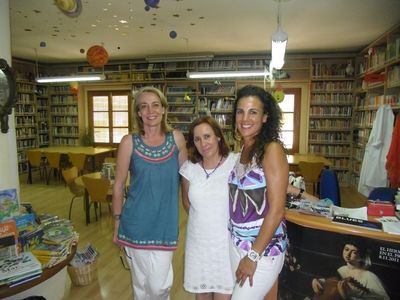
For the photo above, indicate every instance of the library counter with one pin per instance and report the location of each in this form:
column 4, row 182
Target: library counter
column 47, row 282
column 317, row 252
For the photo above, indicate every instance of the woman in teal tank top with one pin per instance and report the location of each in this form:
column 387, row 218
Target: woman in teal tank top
column 146, row 224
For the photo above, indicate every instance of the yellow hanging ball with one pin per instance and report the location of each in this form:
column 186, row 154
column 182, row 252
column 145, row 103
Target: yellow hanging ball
column 279, row 95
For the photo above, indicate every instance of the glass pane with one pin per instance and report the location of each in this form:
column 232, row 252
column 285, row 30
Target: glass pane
column 118, row 133
column 287, row 105
column 287, row 138
column 100, row 103
column 120, row 119
column 101, row 135
column 100, row 119
column 120, row 102
column 287, row 119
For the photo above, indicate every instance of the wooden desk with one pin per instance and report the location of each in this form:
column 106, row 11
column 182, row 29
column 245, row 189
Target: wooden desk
column 294, row 160
column 316, row 251
column 48, row 273
column 89, row 151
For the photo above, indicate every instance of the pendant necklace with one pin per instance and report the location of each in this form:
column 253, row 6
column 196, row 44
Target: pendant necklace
column 209, row 174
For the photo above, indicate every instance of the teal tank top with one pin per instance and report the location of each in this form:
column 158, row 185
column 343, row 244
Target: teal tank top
column 149, row 218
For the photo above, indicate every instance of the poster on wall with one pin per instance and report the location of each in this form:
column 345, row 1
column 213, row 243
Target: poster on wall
column 324, row 265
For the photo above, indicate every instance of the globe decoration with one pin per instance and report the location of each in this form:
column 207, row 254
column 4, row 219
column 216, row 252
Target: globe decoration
column 97, row 56
column 82, row 50
column 70, row 8
column 152, row 3
column 42, row 44
column 279, row 95
column 74, row 87
column 173, row 34
column 147, row 8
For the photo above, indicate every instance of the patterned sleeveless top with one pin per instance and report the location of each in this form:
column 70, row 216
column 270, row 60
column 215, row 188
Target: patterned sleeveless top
column 149, row 218
column 248, row 205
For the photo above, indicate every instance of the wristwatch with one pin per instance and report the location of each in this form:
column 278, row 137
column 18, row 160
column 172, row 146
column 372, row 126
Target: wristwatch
column 253, row 255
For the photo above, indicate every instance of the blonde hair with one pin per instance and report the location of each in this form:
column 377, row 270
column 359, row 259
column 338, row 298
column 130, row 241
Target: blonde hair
column 137, row 120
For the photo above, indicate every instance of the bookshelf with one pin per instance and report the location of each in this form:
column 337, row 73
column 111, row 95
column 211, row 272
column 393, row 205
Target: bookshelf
column 42, row 114
column 377, row 82
column 25, row 121
column 64, row 123
column 330, row 112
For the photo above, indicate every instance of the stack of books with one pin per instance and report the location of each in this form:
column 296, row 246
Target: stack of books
column 19, row 269
column 50, row 255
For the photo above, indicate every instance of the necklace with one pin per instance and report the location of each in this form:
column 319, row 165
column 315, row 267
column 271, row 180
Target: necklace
column 209, row 174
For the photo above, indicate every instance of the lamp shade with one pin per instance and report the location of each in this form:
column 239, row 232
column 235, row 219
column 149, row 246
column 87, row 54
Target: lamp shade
column 279, row 42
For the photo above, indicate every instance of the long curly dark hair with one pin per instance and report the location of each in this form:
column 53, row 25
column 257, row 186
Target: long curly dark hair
column 270, row 130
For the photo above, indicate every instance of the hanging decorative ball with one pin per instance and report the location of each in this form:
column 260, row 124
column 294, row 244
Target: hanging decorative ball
column 173, row 34
column 147, row 8
column 152, row 3
column 42, row 44
column 279, row 95
column 82, row 50
column 74, row 87
column 97, row 56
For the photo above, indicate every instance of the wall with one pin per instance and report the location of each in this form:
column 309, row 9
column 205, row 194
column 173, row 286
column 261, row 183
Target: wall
column 8, row 147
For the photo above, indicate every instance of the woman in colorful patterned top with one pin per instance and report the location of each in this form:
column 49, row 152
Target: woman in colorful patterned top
column 146, row 224
column 258, row 185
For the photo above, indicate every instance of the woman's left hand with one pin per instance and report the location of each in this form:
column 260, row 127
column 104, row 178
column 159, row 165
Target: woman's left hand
column 245, row 270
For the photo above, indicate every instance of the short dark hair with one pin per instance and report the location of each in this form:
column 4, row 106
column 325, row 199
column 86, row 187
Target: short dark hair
column 193, row 154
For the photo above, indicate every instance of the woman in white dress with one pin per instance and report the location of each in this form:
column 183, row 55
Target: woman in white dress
column 205, row 190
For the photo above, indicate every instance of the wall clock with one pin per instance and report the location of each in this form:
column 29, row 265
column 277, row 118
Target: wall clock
column 8, row 93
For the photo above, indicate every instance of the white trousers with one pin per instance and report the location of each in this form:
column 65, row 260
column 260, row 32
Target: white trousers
column 151, row 273
column 268, row 269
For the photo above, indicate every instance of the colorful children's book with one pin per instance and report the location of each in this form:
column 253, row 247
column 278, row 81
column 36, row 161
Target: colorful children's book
column 8, row 239
column 16, row 268
column 9, row 206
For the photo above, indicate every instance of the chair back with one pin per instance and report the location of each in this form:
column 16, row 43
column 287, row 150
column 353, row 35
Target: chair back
column 329, row 186
column 69, row 176
column 383, row 193
column 78, row 160
column 53, row 159
column 311, row 170
column 34, row 158
column 97, row 188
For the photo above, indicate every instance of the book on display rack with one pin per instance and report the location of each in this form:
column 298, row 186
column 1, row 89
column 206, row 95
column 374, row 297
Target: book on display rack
column 357, row 222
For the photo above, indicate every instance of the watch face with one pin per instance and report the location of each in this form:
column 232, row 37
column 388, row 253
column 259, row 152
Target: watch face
column 253, row 255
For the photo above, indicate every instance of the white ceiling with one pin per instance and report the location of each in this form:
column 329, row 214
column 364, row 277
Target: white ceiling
column 218, row 26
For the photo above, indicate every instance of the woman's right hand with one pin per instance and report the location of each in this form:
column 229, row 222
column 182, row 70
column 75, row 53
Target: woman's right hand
column 317, row 286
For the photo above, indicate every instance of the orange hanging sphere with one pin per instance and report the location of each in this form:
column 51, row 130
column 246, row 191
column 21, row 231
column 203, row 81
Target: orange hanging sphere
column 97, row 56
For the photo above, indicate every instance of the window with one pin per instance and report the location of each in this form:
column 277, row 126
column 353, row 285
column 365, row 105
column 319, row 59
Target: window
column 109, row 116
column 290, row 107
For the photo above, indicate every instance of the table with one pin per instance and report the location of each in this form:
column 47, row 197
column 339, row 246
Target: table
column 294, row 159
column 46, row 275
column 89, row 151
column 316, row 251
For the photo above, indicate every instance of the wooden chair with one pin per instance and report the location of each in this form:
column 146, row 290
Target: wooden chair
column 53, row 161
column 99, row 192
column 36, row 163
column 69, row 176
column 78, row 160
column 311, row 172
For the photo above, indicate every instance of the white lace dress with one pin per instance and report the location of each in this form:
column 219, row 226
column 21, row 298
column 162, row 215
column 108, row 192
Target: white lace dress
column 207, row 265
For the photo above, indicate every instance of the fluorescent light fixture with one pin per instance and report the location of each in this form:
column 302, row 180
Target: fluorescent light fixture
column 226, row 74
column 279, row 42
column 93, row 77
column 181, row 57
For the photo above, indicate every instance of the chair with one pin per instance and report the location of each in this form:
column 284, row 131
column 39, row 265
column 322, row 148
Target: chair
column 53, row 161
column 36, row 162
column 311, row 172
column 329, row 186
column 383, row 193
column 78, row 160
column 98, row 190
column 69, row 176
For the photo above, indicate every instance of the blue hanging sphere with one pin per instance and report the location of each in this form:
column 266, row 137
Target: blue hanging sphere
column 42, row 44
column 173, row 34
column 147, row 8
column 152, row 3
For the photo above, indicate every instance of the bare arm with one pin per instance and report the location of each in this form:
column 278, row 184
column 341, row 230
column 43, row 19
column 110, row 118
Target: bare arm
column 185, row 194
column 180, row 141
column 121, row 174
column 295, row 191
